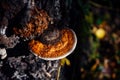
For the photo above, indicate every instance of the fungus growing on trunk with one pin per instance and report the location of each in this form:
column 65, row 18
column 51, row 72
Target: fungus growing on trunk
column 33, row 23
column 61, row 48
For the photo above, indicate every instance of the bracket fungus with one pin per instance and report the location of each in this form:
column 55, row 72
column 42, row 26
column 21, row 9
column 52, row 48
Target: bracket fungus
column 33, row 23
column 59, row 49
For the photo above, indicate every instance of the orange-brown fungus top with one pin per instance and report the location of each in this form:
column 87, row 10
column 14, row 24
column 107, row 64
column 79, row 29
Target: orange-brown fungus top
column 38, row 23
column 56, row 50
